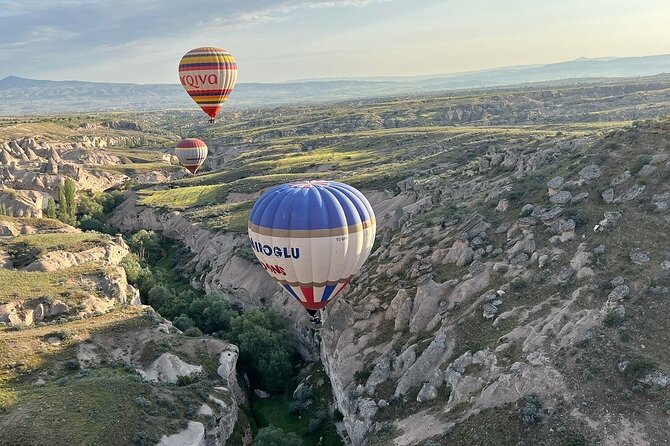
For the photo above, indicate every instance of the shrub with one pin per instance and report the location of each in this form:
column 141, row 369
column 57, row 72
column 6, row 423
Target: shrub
column 193, row 332
column 72, row 365
column 141, row 438
column 519, row 285
column 315, row 422
column 638, row 368
column 613, row 317
column 273, row 436
column 183, row 322
column 187, row 380
column 147, row 406
column 532, row 410
column 88, row 223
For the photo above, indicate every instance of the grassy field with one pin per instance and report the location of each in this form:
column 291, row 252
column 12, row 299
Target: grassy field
column 72, row 242
column 44, row 224
column 63, row 284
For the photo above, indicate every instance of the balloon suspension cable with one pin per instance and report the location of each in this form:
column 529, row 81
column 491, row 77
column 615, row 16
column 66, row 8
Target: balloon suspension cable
column 212, row 120
column 315, row 318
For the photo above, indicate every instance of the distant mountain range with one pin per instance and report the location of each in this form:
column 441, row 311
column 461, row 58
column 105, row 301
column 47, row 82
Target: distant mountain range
column 20, row 96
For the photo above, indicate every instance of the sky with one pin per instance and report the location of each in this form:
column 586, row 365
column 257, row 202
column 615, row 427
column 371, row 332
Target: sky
column 141, row 41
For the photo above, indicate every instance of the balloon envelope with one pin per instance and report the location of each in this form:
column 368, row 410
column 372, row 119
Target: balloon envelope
column 208, row 75
column 312, row 237
column 191, row 153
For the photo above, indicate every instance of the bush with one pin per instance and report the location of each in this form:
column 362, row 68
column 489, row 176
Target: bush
column 183, row 322
column 187, row 380
column 72, row 365
column 132, row 267
column 519, row 285
column 638, row 368
column 273, row 436
column 88, row 223
column 141, row 438
column 315, row 422
column 193, row 332
column 613, row 318
column 579, row 216
column 147, row 406
column 532, row 410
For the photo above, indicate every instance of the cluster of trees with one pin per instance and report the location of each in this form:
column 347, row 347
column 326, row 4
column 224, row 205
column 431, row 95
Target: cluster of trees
column 88, row 211
column 261, row 335
column 93, row 208
column 4, row 210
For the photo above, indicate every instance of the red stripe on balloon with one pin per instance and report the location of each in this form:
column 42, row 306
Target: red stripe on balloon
column 308, row 293
column 190, row 144
column 211, row 111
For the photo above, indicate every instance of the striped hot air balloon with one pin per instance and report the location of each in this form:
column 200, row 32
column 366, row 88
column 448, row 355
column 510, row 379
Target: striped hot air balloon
column 191, row 153
column 312, row 237
column 208, row 75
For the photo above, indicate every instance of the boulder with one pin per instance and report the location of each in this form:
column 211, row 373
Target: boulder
column 640, row 257
column 168, row 368
column 554, row 185
column 561, row 197
column 590, row 172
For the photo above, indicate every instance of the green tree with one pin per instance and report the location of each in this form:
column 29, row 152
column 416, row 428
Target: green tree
column 89, row 205
column 62, row 204
column 160, row 298
column 88, row 223
column 265, row 351
column 273, row 436
column 212, row 312
column 145, row 282
column 70, row 191
column 132, row 266
column 147, row 245
column 51, row 209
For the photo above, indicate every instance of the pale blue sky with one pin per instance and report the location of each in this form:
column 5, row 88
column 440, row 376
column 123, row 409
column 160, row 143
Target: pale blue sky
column 277, row 40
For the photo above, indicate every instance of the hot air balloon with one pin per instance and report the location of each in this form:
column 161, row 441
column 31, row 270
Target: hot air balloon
column 191, row 153
column 312, row 237
column 208, row 75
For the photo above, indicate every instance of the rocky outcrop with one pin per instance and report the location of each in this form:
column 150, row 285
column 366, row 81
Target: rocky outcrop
column 193, row 435
column 111, row 253
column 167, row 368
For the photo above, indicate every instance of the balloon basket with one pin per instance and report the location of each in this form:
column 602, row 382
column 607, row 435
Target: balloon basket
column 315, row 319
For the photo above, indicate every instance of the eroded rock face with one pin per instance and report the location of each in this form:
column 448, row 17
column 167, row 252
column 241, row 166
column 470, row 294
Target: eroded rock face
column 167, row 368
column 193, row 435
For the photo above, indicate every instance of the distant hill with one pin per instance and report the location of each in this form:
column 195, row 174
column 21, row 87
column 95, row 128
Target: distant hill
column 29, row 96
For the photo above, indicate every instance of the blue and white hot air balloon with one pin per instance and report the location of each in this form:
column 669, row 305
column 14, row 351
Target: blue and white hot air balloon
column 312, row 237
